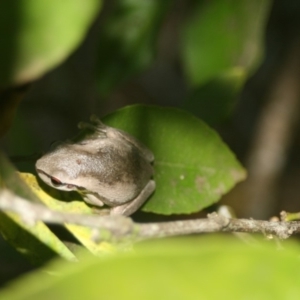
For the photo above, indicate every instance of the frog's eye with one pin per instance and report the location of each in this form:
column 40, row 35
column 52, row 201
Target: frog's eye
column 56, row 182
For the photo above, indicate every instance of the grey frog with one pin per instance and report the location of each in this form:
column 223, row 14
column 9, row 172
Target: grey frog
column 106, row 166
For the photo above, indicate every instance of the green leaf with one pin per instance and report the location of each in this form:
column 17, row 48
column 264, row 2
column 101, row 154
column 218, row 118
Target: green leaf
column 35, row 242
column 193, row 167
column 68, row 203
column 38, row 35
column 190, row 268
column 222, row 35
column 128, row 40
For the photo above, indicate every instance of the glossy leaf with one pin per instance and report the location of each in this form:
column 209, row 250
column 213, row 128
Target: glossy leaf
column 203, row 268
column 38, row 35
column 193, row 167
column 222, row 35
column 36, row 242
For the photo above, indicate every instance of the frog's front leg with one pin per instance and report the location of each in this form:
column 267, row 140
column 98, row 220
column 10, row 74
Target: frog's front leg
column 130, row 207
column 92, row 199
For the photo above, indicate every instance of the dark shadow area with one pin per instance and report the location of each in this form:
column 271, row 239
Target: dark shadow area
column 12, row 263
column 10, row 22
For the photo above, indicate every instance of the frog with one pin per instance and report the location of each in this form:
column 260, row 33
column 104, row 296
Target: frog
column 105, row 165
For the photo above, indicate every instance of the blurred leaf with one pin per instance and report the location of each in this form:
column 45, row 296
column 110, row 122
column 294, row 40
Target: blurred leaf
column 38, row 35
column 215, row 101
column 193, row 167
column 128, row 40
column 187, row 268
column 68, row 203
column 36, row 242
column 223, row 35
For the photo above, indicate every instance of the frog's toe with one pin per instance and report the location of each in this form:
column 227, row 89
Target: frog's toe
column 92, row 199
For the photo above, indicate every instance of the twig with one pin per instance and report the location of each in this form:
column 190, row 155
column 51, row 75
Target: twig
column 32, row 212
column 123, row 227
column 216, row 223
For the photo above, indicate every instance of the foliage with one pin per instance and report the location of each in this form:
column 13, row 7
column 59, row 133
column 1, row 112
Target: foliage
column 128, row 40
column 190, row 268
column 191, row 178
column 221, row 45
column 37, row 36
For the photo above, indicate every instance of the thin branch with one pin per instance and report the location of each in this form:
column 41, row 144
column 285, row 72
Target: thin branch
column 31, row 213
column 123, row 227
column 217, row 223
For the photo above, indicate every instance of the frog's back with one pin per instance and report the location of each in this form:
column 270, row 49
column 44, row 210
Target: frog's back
column 117, row 173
